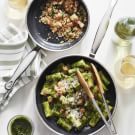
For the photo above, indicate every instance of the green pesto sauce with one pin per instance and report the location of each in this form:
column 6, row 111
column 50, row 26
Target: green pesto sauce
column 21, row 126
column 125, row 28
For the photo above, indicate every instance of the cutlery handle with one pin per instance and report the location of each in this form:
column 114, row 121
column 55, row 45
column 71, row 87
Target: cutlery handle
column 84, row 85
column 98, row 80
column 22, row 67
column 102, row 28
column 112, row 126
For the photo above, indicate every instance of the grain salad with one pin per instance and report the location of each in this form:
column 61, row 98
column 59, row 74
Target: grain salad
column 66, row 18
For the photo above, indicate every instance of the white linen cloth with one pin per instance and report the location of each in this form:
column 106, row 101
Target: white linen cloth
column 13, row 47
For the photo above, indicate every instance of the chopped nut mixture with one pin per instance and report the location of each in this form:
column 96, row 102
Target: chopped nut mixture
column 66, row 18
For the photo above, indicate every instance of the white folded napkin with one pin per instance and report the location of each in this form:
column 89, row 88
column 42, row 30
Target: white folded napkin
column 13, row 47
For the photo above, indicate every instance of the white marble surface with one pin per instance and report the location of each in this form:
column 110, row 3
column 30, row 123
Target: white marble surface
column 23, row 102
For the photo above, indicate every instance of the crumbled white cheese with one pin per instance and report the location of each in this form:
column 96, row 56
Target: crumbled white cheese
column 71, row 99
column 65, row 83
column 67, row 100
column 74, row 82
column 63, row 99
column 75, row 117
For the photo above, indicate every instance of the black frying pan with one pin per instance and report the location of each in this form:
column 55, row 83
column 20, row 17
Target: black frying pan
column 110, row 94
column 39, row 31
column 50, row 122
